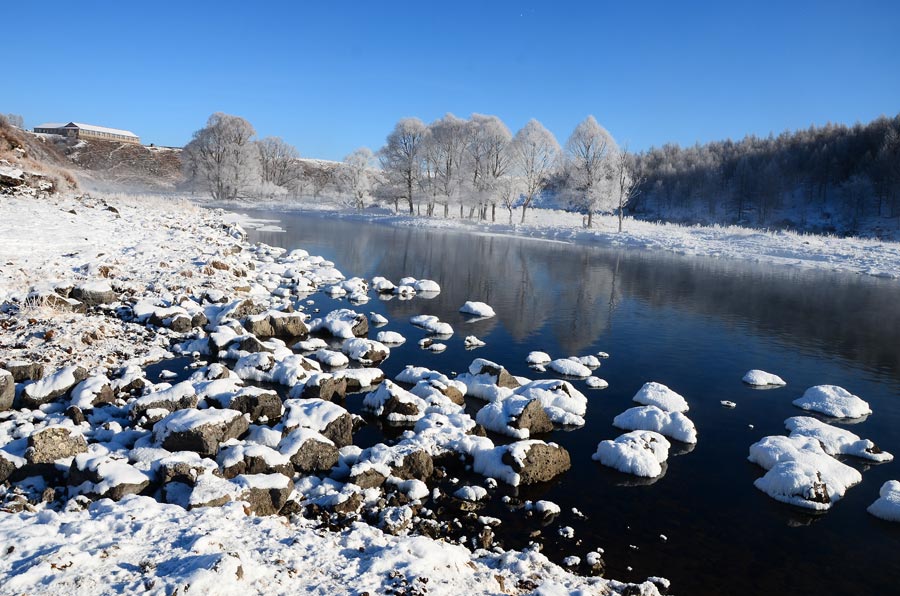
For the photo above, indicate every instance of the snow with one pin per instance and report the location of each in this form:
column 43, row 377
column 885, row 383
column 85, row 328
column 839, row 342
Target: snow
column 477, row 309
column 330, row 358
column 376, row 401
column 596, row 383
column 561, row 401
column 471, row 493
column 338, row 323
column 674, row 425
column 834, row 401
column 391, row 338
column 57, row 381
column 640, row 452
column 541, row 358
column 315, row 414
column 800, row 472
column 761, row 378
column 432, row 324
column 377, row 319
column 499, row 415
column 471, row 342
column 887, row 506
column 186, row 420
column 834, row 440
column 569, row 367
column 84, row 393
column 657, row 394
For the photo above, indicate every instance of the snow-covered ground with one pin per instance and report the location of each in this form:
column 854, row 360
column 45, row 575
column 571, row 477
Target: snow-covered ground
column 91, row 287
column 852, row 255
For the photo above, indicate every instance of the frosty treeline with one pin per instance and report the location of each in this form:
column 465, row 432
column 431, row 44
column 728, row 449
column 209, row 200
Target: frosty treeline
column 830, row 179
column 476, row 165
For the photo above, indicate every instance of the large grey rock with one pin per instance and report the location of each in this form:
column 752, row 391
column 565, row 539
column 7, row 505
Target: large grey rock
column 200, row 431
column 265, row 494
column 53, row 443
column 23, row 370
column 94, row 294
column 325, row 386
column 241, row 459
column 7, row 389
column 8, row 465
column 502, row 376
column 534, row 418
column 52, row 386
column 309, row 451
column 369, row 478
column 258, row 403
column 178, row 397
column 417, row 465
column 542, row 462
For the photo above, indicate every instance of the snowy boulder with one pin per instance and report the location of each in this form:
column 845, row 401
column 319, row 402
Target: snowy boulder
column 471, row 342
column 834, row 440
column 365, row 351
column 7, row 389
column 261, row 405
column 276, row 323
column 834, row 401
column 538, row 358
column 201, row 431
column 394, row 403
column 499, row 376
column 561, row 401
column 325, row 386
column 596, row 383
column 94, row 293
column 887, row 506
column 330, row 358
column 536, row 461
column 177, row 397
column 382, row 285
column 760, row 378
column 91, row 392
column 52, row 386
column 515, row 416
column 264, row 494
column 674, row 425
column 183, row 466
column 426, row 286
column 471, row 493
column 358, row 379
column 309, row 451
column 54, row 443
column 477, row 309
column 657, row 394
column 800, row 472
column 106, row 475
column 342, row 323
column 570, row 367
column 415, row 465
column 9, row 463
column 23, row 370
column 209, row 491
column 640, row 452
column 248, row 458
column 432, row 324
column 331, row 420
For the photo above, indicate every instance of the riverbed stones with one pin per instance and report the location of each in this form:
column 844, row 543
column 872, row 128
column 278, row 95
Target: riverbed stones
column 275, row 323
column 54, row 443
column 249, row 458
column 200, row 431
column 8, row 465
column 52, row 386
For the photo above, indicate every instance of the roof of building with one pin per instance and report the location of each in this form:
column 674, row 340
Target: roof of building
column 94, row 128
column 51, row 125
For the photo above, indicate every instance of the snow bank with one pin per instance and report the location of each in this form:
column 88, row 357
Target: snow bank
column 760, row 378
column 832, row 400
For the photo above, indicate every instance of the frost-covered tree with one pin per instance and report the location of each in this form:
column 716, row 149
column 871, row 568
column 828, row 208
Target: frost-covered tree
column 222, row 158
column 354, row 177
column 444, row 153
column 16, row 120
column 627, row 185
column 535, row 153
column 278, row 162
column 589, row 167
column 401, row 160
column 488, row 148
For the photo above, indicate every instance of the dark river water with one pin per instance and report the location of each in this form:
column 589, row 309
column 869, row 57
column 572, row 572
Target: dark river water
column 696, row 325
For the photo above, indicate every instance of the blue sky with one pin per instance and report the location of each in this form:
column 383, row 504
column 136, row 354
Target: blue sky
column 331, row 77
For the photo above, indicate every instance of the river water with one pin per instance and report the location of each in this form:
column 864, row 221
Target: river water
column 694, row 324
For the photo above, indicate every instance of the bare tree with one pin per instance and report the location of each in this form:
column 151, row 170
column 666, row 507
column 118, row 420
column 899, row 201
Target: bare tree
column 222, row 157
column 535, row 153
column 16, row 120
column 354, row 176
column 401, row 157
column 445, row 152
column 589, row 167
column 278, row 162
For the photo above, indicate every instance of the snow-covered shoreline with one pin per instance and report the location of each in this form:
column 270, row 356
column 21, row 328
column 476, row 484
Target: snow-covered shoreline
column 808, row 251
column 159, row 262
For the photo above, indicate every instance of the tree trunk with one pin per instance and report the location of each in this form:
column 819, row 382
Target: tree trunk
column 590, row 222
column 493, row 212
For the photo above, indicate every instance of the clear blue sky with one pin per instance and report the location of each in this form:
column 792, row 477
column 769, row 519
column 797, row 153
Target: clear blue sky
column 330, row 77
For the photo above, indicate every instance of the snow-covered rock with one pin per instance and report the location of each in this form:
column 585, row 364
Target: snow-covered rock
column 761, row 378
column 674, row 425
column 366, row 351
column 657, row 394
column 570, row 367
column 538, row 358
column 477, row 309
column 432, row 324
column 596, row 383
column 561, row 401
column 342, row 323
column 471, row 342
column 390, row 338
column 887, row 506
column 640, row 452
column 517, row 416
column 394, row 403
column 834, row 401
column 834, row 440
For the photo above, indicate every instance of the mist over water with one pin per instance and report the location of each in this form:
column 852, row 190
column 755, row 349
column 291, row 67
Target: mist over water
column 695, row 324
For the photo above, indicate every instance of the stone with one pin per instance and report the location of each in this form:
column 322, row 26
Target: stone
column 504, row 379
column 263, row 494
column 75, row 414
column 325, row 386
column 112, row 476
column 23, row 370
column 534, row 418
column 542, row 462
column 7, row 390
column 94, row 294
column 289, row 325
column 200, row 431
column 52, row 386
column 8, row 465
column 53, row 443
column 180, row 323
column 178, row 397
column 309, row 454
column 349, row 505
column 369, row 478
column 417, row 465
